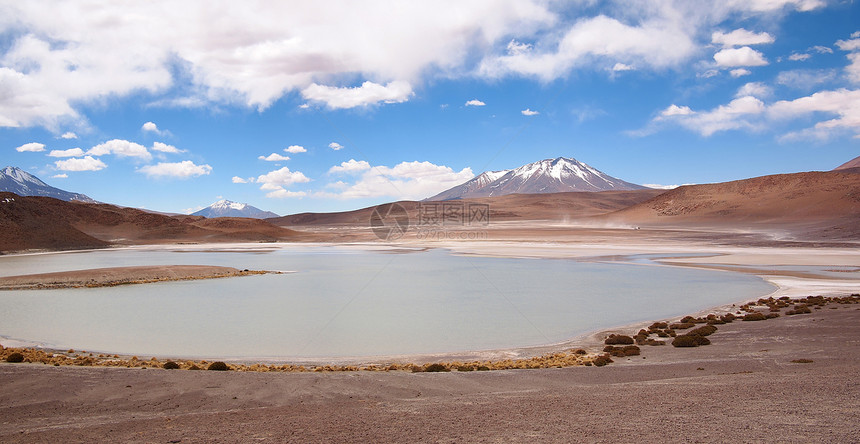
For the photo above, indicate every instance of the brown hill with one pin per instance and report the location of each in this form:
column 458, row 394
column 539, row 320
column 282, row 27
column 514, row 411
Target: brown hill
column 853, row 163
column 47, row 223
column 813, row 204
column 551, row 206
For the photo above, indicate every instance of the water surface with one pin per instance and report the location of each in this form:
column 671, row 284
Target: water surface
column 349, row 302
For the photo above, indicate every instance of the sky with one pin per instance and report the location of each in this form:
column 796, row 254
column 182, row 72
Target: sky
column 337, row 105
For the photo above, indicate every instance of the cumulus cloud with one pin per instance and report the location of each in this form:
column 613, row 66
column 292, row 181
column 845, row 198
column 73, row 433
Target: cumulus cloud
column 295, row 149
column 853, row 45
column 336, row 146
column 744, row 56
column 274, row 157
column 368, row 93
column 237, row 179
column 32, row 147
column 734, row 115
column 741, row 37
column 73, row 152
column 151, row 127
column 276, row 181
column 165, row 148
column 528, row 112
column 178, row 170
column 798, row 57
column 282, row 193
column 69, row 135
column 60, row 176
column 740, row 72
column 406, row 180
column 805, row 79
column 844, row 104
column 755, row 89
column 122, row 148
column 350, row 166
column 475, row 102
column 619, row 67
column 87, row 163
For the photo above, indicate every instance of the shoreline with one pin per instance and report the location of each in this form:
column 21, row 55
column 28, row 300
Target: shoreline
column 114, row 276
column 784, row 285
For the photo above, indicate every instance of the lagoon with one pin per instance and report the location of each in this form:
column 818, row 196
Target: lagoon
column 346, row 301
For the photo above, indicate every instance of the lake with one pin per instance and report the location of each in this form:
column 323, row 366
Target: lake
column 343, row 301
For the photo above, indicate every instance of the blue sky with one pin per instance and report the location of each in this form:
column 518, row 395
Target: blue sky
column 338, row 105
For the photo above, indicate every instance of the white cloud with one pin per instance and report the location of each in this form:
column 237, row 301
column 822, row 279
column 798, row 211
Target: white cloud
column 281, row 193
column 797, row 57
column 60, row 176
column 740, row 72
column 754, row 89
column 853, row 45
column 775, row 5
column 295, row 149
column 336, row 146
column 368, row 93
column 821, row 49
column 744, row 56
column 32, row 147
column 282, row 177
column 805, row 79
column 87, row 163
column 516, row 48
column 179, row 170
column 274, row 157
column 475, row 102
column 151, row 127
column 741, row 37
column 849, row 45
column 843, row 103
column 122, row 148
column 662, row 37
column 528, row 112
column 657, row 186
column 675, row 110
column 165, row 148
column 350, row 166
column 74, row 55
column 69, row 135
column 735, row 115
column 406, row 180
column 73, row 152
column 619, row 67
column 237, row 179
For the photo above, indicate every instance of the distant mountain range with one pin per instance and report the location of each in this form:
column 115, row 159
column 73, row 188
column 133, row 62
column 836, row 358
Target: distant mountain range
column 226, row 208
column 22, row 183
column 558, row 175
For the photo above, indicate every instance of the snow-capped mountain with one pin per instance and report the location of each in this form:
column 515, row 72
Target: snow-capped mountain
column 226, row 208
column 22, row 183
column 546, row 176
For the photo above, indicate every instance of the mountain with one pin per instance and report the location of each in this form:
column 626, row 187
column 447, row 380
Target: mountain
column 546, row 176
column 853, row 163
column 35, row 222
column 226, row 208
column 816, row 205
column 22, row 183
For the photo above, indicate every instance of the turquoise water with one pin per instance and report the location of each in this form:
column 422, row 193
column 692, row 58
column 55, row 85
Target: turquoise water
column 348, row 302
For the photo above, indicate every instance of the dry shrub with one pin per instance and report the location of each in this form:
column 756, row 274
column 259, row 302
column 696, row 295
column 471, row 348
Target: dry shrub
column 690, row 341
column 728, row 317
column 170, row 365
column 15, row 357
column 681, row 325
column 627, row 350
column 658, row 325
column 465, row 368
column 618, row 339
column 601, row 360
column 704, row 330
column 434, row 368
column 772, row 315
column 662, row 334
column 218, row 366
column 654, row 342
column 580, row 351
column 756, row 316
